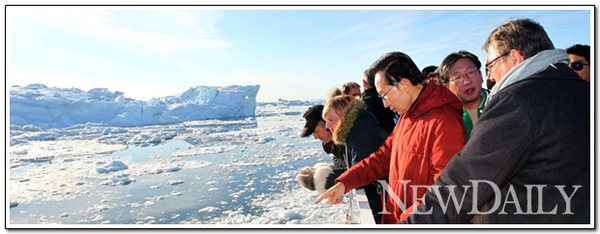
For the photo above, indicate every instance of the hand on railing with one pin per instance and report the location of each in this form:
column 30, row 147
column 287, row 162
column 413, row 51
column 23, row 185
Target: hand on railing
column 334, row 194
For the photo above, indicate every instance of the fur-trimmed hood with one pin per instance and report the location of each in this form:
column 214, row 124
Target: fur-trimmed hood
column 346, row 122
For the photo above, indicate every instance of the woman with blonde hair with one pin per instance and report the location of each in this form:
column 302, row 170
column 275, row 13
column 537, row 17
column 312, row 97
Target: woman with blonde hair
column 356, row 128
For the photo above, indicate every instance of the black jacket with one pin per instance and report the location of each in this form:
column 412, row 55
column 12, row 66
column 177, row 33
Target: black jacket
column 361, row 135
column 338, row 154
column 359, row 132
column 384, row 115
column 533, row 134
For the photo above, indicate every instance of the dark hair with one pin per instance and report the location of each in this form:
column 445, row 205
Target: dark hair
column 580, row 50
column 429, row 71
column 348, row 85
column 525, row 35
column 397, row 65
column 451, row 59
column 369, row 78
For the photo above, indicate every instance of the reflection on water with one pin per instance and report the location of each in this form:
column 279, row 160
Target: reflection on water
column 145, row 153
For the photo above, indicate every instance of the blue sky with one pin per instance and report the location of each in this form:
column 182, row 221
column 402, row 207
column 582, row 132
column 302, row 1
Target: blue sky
column 293, row 53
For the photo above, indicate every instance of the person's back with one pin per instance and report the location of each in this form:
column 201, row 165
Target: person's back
column 557, row 136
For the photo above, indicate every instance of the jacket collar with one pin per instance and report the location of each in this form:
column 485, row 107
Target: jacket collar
column 431, row 97
column 346, row 122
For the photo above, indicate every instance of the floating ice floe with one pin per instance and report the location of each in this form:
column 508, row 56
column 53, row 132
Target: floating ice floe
column 211, row 183
column 114, row 130
column 122, row 179
column 168, row 169
column 266, row 139
column 98, row 208
column 204, row 150
column 208, row 209
column 145, row 138
column 174, row 182
column 290, row 214
column 172, row 169
column 30, row 128
column 175, row 193
column 37, row 159
column 111, row 167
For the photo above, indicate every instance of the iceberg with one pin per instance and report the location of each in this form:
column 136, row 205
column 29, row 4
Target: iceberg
column 49, row 107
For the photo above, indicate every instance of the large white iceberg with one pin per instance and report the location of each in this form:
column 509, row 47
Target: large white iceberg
column 47, row 107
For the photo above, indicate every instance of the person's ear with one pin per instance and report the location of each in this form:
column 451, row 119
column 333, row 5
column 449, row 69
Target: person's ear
column 404, row 85
column 515, row 56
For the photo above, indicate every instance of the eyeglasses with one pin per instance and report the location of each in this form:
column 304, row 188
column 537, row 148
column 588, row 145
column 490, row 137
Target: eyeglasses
column 459, row 78
column 386, row 92
column 489, row 66
column 578, row 66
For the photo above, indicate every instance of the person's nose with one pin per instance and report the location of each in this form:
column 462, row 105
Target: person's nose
column 467, row 80
column 386, row 103
column 328, row 126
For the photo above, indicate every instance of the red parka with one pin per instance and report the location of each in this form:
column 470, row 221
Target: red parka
column 415, row 153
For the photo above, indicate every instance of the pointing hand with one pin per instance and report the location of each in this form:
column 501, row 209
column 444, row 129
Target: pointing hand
column 333, row 194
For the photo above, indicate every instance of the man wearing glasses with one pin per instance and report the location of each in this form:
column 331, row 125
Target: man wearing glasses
column 460, row 73
column 580, row 60
column 528, row 159
column 428, row 133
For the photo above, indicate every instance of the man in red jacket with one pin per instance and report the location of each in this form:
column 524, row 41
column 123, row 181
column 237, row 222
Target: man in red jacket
column 428, row 133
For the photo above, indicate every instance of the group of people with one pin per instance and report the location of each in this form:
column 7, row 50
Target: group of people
column 433, row 146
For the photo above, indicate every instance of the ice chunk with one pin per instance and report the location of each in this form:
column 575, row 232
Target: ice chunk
column 37, row 159
column 174, row 182
column 176, row 193
column 112, row 166
column 118, row 180
column 289, row 214
column 266, row 139
column 152, row 138
column 31, row 128
column 208, row 209
column 172, row 169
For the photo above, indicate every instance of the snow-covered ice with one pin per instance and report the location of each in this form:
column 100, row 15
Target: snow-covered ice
column 49, row 107
column 111, row 167
column 214, row 171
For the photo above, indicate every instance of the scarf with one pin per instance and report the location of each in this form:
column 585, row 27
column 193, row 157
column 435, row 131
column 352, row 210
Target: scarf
column 530, row 66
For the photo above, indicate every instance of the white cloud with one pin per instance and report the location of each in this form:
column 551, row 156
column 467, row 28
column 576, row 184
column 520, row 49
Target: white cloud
column 142, row 30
